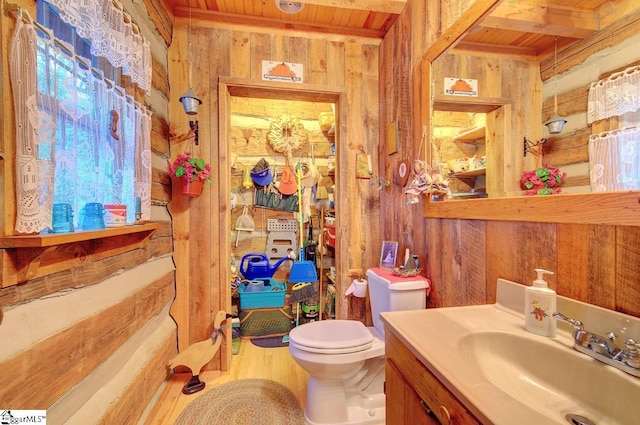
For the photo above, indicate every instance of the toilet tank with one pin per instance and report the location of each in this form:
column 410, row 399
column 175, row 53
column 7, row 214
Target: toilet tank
column 393, row 293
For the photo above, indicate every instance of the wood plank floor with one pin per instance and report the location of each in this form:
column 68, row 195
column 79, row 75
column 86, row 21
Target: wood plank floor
column 251, row 362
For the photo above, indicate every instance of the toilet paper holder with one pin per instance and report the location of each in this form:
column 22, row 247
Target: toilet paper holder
column 357, row 288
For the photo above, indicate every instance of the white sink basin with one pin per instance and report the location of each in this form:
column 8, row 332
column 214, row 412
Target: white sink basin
column 506, row 375
column 556, row 380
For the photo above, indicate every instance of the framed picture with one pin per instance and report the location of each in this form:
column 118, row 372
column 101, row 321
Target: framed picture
column 388, row 254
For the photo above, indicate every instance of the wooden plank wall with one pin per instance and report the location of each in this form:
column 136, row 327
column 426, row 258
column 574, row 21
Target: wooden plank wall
column 517, row 83
column 597, row 264
column 398, row 100
column 81, row 338
column 202, row 225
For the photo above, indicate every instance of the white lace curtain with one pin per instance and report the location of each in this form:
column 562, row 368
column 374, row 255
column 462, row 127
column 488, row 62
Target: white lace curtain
column 112, row 34
column 614, row 156
column 65, row 148
column 614, row 96
column 614, row 160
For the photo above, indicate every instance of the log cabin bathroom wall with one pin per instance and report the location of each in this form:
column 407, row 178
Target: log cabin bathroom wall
column 84, row 322
column 93, row 323
column 594, row 262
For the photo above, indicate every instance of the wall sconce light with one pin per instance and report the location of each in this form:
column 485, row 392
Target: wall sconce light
column 529, row 145
column 189, row 100
column 555, row 124
column 382, row 183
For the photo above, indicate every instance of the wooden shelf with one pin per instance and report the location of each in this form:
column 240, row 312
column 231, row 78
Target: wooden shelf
column 52, row 239
column 471, row 135
column 26, row 257
column 470, row 174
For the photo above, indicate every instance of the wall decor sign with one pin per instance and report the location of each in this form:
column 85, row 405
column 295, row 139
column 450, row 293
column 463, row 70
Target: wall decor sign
column 392, row 137
column 460, row 87
column 363, row 166
column 282, row 71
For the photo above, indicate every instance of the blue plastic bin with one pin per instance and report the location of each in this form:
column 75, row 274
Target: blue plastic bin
column 272, row 296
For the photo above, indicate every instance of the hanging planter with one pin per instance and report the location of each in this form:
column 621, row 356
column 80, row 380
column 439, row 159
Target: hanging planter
column 191, row 188
column 545, row 180
column 193, row 173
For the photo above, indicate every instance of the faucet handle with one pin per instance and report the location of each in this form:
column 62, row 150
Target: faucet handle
column 632, row 346
column 631, row 356
column 611, row 336
column 573, row 322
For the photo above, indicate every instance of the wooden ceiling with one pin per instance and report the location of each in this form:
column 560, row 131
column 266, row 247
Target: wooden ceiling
column 367, row 18
column 521, row 27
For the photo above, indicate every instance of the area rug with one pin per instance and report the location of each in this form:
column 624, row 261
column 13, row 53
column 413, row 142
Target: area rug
column 244, row 402
column 264, row 322
column 271, row 342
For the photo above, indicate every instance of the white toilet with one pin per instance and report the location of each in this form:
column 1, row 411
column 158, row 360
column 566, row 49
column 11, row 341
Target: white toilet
column 345, row 359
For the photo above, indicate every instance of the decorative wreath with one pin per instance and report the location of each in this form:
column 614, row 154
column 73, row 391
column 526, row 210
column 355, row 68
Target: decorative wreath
column 287, row 134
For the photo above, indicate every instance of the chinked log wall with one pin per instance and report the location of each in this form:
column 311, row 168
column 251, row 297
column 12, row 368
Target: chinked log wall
column 576, row 66
column 598, row 264
column 89, row 338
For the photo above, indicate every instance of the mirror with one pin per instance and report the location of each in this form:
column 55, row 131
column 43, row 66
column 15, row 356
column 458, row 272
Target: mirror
column 505, row 84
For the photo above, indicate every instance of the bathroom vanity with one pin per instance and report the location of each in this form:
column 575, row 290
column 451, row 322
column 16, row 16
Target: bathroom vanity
column 478, row 365
column 414, row 394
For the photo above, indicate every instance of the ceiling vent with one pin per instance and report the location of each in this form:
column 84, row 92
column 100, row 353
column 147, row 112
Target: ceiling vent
column 289, row 6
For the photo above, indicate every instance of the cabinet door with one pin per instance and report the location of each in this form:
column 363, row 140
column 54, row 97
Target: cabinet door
column 430, row 392
column 403, row 406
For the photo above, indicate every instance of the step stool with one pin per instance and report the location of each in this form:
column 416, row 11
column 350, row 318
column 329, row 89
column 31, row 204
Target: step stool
column 282, row 238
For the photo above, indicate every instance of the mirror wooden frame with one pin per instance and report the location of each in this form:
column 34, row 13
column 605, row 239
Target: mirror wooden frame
column 611, row 208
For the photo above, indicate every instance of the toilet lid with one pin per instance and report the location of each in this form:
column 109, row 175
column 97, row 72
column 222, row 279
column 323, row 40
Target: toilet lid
column 332, row 336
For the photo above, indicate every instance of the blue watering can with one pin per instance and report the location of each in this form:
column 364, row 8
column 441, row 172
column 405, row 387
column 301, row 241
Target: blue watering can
column 256, row 265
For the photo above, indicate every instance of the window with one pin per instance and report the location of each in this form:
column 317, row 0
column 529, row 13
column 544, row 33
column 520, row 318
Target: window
column 614, row 155
column 48, row 16
column 80, row 138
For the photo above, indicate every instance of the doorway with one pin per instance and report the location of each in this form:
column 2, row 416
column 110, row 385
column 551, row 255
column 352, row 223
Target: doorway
column 468, row 146
column 230, row 91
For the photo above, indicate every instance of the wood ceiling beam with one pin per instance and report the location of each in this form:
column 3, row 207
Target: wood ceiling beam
column 470, row 18
column 387, row 6
column 542, row 19
column 260, row 22
column 609, row 12
column 497, row 49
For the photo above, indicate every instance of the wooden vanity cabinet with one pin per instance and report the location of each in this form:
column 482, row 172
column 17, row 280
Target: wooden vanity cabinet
column 414, row 395
column 404, row 406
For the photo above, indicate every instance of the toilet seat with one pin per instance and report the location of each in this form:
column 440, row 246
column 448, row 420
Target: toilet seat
column 331, row 337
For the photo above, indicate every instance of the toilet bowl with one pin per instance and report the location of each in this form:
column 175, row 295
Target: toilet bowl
column 345, row 359
column 346, row 375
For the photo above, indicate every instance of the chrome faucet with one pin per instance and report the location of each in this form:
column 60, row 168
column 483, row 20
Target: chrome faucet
column 604, row 348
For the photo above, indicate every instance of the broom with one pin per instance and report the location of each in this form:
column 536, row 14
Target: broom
column 303, row 273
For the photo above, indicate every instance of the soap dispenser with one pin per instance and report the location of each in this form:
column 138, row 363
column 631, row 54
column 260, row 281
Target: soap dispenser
column 539, row 306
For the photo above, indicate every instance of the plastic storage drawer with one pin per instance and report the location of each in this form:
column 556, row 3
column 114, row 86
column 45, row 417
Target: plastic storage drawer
column 272, row 295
